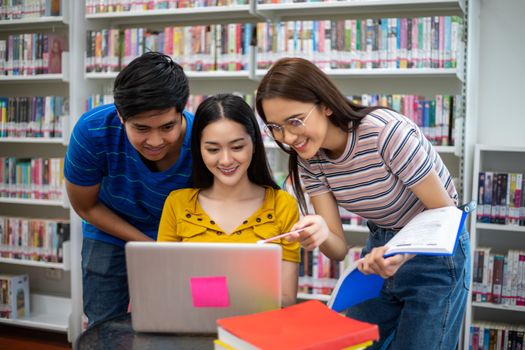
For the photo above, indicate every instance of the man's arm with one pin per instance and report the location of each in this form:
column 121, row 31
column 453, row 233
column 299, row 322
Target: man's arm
column 84, row 200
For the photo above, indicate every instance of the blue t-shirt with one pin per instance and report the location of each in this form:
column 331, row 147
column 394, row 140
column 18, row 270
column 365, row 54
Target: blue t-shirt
column 99, row 152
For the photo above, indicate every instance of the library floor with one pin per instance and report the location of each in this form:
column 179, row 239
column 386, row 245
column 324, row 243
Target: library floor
column 17, row 338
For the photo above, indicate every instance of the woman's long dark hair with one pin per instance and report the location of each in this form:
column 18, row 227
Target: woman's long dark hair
column 234, row 108
column 298, row 79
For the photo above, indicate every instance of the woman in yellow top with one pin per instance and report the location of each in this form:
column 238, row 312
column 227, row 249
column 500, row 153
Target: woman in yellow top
column 234, row 198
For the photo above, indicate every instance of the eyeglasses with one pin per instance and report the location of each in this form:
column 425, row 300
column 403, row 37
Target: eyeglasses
column 292, row 125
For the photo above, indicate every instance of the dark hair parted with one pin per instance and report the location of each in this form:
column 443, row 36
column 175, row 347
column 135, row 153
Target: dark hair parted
column 152, row 81
column 234, row 108
column 300, row 80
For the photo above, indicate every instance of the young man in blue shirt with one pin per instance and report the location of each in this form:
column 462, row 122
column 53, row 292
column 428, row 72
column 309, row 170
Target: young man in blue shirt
column 122, row 162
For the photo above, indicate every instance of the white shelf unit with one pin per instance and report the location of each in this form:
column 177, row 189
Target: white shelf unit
column 42, row 78
column 32, row 263
column 64, row 266
column 191, row 75
column 441, row 73
column 498, row 307
column 48, row 312
column 180, row 15
column 45, row 202
column 359, row 7
column 33, row 23
column 51, row 284
column 307, row 296
column 500, row 238
column 33, row 140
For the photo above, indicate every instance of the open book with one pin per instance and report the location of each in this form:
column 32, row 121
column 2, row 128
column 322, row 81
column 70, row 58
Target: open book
column 431, row 232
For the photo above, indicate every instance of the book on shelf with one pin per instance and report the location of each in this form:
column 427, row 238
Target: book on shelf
column 31, row 116
column 33, row 239
column 491, row 335
column 56, row 44
column 500, row 198
column 22, row 9
column 52, row 8
column 42, row 53
column 419, row 110
column 364, row 43
column 308, row 325
column 498, row 278
column 14, row 296
column 431, row 232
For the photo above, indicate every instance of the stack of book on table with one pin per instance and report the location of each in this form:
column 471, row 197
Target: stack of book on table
column 309, row 325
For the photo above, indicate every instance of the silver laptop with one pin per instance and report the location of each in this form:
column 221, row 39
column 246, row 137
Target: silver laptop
column 186, row 287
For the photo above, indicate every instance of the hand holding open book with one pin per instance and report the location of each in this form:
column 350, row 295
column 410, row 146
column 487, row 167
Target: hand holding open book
column 431, row 232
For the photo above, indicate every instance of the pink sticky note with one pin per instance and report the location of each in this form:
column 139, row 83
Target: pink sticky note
column 210, row 291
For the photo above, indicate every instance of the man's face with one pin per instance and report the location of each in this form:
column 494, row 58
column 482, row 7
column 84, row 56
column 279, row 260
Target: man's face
column 155, row 134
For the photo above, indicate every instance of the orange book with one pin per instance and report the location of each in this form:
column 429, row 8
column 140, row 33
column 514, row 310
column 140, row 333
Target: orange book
column 309, row 325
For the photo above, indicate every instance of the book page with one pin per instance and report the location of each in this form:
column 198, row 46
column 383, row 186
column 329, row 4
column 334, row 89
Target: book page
column 432, row 231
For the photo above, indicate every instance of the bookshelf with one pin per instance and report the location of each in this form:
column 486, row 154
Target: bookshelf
column 388, row 73
column 51, row 283
column 34, row 23
column 497, row 239
column 78, row 85
column 209, row 14
column 48, row 312
column 359, row 7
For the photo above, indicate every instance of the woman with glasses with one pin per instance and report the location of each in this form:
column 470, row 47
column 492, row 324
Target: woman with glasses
column 376, row 163
column 234, row 198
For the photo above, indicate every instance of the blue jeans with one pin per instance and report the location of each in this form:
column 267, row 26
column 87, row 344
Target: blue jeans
column 104, row 280
column 422, row 306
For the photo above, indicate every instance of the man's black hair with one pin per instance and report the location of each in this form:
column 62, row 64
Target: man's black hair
column 152, row 81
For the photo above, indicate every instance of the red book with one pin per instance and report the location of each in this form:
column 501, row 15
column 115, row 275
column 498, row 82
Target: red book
column 309, row 325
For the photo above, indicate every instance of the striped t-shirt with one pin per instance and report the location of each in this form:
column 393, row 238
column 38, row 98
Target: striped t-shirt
column 384, row 157
column 99, row 152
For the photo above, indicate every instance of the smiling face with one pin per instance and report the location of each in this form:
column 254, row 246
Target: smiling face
column 313, row 134
column 156, row 135
column 226, row 150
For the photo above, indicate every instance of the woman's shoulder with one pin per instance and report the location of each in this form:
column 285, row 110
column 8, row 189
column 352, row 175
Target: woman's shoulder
column 281, row 195
column 184, row 194
column 383, row 116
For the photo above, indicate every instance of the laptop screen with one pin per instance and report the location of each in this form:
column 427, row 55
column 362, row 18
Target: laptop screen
column 186, row 287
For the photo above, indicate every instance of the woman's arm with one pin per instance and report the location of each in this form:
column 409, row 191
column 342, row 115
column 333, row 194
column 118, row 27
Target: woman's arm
column 289, row 277
column 432, row 192
column 323, row 230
